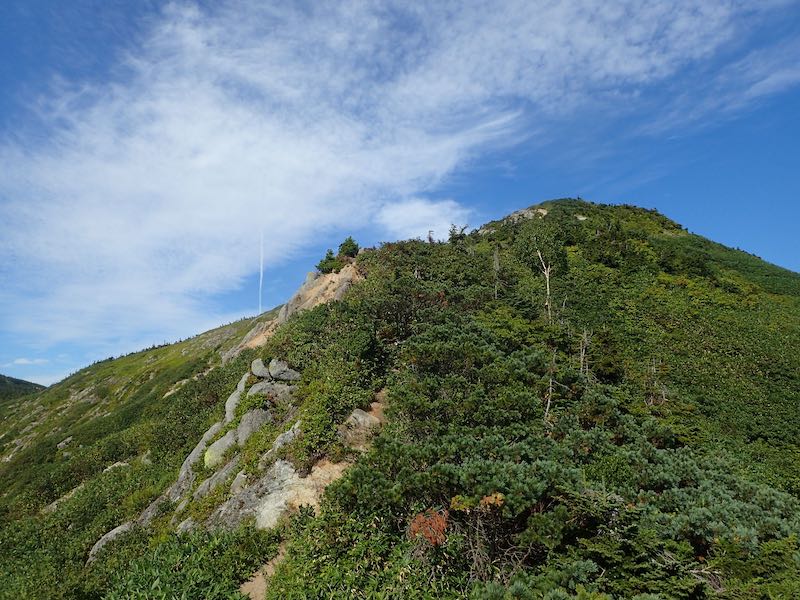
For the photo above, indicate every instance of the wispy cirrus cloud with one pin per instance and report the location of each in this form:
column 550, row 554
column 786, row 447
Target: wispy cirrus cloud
column 147, row 195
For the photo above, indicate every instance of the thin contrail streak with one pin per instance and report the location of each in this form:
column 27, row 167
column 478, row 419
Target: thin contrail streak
column 261, row 272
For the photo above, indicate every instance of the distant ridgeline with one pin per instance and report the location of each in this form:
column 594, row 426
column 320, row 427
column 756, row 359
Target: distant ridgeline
column 14, row 388
column 577, row 401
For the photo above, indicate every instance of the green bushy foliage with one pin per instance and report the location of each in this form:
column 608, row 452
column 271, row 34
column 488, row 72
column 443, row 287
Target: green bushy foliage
column 197, row 565
column 330, row 263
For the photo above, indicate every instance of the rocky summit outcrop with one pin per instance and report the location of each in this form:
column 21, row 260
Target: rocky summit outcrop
column 317, row 289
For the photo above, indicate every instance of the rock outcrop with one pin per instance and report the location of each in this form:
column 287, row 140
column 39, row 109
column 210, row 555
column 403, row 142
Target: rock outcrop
column 216, row 479
column 277, row 492
column 251, row 422
column 108, row 537
column 233, row 400
column 259, row 370
column 186, row 474
column 358, row 429
column 276, row 392
column 317, row 289
column 279, row 369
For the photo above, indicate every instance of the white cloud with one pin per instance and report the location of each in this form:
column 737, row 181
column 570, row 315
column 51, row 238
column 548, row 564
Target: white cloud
column 416, row 217
column 27, row 361
column 147, row 194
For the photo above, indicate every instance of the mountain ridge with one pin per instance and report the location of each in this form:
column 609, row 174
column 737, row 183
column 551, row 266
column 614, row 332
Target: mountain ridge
column 581, row 399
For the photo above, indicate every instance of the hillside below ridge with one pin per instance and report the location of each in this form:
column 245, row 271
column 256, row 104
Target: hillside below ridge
column 579, row 399
column 11, row 387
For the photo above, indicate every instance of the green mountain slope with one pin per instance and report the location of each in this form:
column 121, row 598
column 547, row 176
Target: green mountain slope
column 11, row 388
column 582, row 400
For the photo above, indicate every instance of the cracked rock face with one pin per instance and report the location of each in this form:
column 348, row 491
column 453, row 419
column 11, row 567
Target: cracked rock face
column 278, row 491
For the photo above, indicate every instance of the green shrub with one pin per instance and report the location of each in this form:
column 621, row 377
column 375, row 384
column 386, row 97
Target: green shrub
column 330, row 264
column 348, row 247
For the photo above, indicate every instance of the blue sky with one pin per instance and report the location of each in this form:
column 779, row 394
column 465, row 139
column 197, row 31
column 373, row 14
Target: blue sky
column 145, row 146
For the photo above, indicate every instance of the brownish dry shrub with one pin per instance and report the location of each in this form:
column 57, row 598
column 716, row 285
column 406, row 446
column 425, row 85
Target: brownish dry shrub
column 431, row 525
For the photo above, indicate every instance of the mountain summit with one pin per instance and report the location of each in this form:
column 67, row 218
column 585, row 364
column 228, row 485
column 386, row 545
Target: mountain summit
column 576, row 401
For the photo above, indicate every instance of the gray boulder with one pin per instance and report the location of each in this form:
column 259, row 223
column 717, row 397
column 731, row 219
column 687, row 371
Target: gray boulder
column 357, row 430
column 233, row 400
column 108, row 537
column 251, row 422
column 64, row 443
column 186, row 475
column 218, row 449
column 276, row 392
column 279, row 369
column 259, row 370
column 186, row 525
column 217, row 478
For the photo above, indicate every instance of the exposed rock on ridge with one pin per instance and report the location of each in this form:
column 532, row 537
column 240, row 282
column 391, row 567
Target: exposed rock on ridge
column 317, row 289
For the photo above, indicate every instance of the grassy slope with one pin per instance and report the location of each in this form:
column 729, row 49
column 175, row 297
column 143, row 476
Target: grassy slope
column 671, row 468
column 114, row 410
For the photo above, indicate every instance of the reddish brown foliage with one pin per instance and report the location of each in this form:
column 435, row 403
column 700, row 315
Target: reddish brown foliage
column 431, row 525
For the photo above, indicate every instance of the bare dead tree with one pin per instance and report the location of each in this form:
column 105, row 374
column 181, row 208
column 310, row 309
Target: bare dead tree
column 658, row 391
column 586, row 340
column 546, row 269
column 549, row 397
column 496, row 265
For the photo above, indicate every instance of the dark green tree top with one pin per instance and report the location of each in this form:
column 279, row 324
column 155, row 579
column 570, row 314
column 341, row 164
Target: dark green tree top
column 349, row 247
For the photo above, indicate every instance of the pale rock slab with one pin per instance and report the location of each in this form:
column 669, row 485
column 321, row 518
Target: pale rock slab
column 218, row 449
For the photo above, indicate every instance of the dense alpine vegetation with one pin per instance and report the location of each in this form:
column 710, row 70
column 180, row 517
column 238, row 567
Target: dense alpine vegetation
column 11, row 387
column 583, row 401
